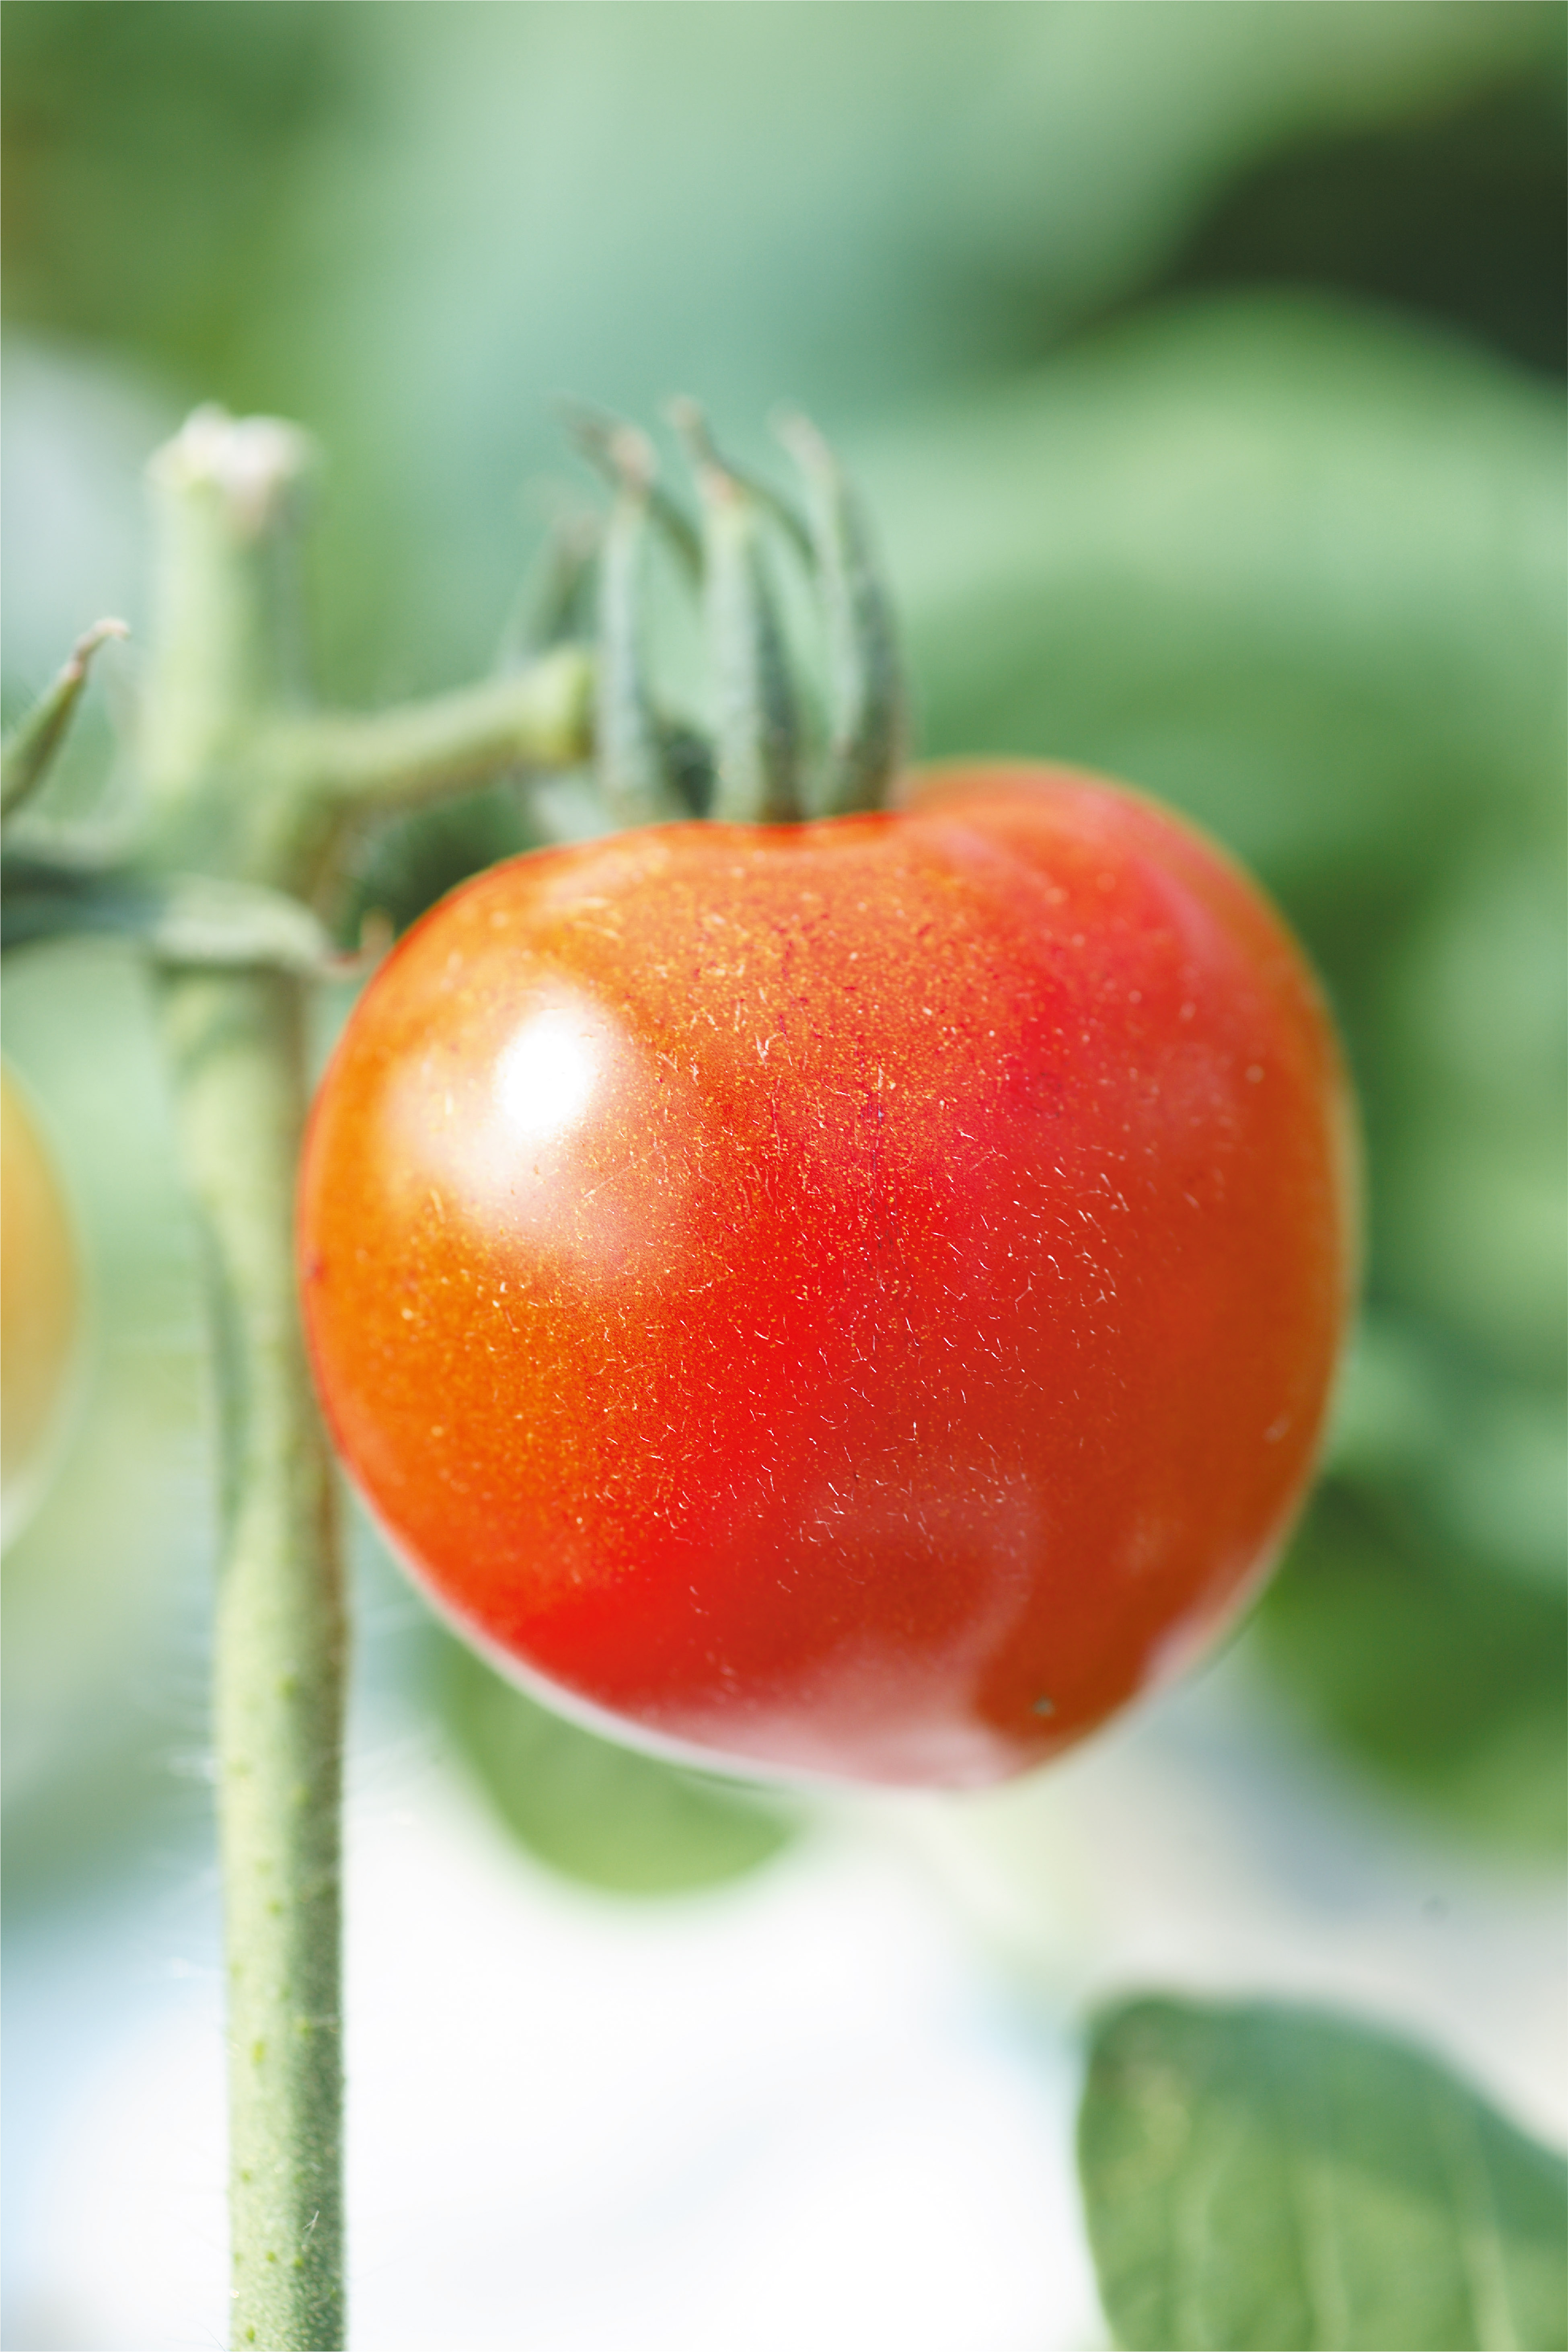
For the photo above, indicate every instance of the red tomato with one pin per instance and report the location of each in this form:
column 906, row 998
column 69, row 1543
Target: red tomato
column 857, row 1298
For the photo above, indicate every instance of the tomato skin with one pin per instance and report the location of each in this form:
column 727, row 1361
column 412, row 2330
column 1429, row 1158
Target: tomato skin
column 855, row 1298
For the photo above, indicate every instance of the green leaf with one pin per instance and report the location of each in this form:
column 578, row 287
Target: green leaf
column 29, row 752
column 1476, row 999
column 1503, row 1491
column 1448, row 1683
column 1293, row 565
column 1391, row 1416
column 598, row 1812
column 1474, row 1228
column 1471, row 1193
column 1478, row 1463
column 1268, row 2179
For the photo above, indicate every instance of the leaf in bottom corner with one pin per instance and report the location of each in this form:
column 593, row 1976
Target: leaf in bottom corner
column 1267, row 2178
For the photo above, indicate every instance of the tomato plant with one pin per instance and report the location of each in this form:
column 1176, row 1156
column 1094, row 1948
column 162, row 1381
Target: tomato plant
column 857, row 1298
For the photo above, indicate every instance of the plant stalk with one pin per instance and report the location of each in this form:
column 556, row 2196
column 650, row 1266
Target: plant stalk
column 235, row 1050
column 225, row 670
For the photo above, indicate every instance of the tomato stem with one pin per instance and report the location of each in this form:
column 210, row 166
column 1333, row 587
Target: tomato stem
column 242, row 777
column 225, row 673
column 235, row 1050
column 332, row 771
column 227, row 650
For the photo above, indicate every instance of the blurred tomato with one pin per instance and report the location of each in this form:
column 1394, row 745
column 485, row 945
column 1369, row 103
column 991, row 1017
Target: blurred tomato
column 38, row 1295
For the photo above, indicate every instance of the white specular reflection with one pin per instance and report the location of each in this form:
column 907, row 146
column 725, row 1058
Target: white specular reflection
column 546, row 1075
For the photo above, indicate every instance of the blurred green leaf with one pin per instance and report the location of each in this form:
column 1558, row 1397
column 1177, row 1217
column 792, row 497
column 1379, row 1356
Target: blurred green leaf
column 607, row 1815
column 414, row 226
column 1475, row 998
column 1450, row 1684
column 1391, row 1411
column 1480, row 1461
column 1458, row 212
column 118, row 118
column 1472, row 1073
column 1474, row 1225
column 1265, row 2178
column 1296, row 567
column 1502, row 1489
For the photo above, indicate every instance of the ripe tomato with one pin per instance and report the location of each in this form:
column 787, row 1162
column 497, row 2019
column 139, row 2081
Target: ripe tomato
column 855, row 1298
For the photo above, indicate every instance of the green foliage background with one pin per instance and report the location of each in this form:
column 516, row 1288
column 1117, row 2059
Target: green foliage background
column 1203, row 365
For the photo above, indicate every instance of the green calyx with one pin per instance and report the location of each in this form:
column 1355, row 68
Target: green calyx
column 805, row 710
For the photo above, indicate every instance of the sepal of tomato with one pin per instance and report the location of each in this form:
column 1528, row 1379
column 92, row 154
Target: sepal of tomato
column 855, row 1298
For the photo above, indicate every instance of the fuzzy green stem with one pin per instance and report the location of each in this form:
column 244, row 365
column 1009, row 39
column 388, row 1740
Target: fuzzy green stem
column 235, row 1046
column 531, row 717
column 225, row 673
column 227, row 651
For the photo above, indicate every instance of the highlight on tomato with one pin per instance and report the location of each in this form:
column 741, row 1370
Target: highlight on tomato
column 854, row 1297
